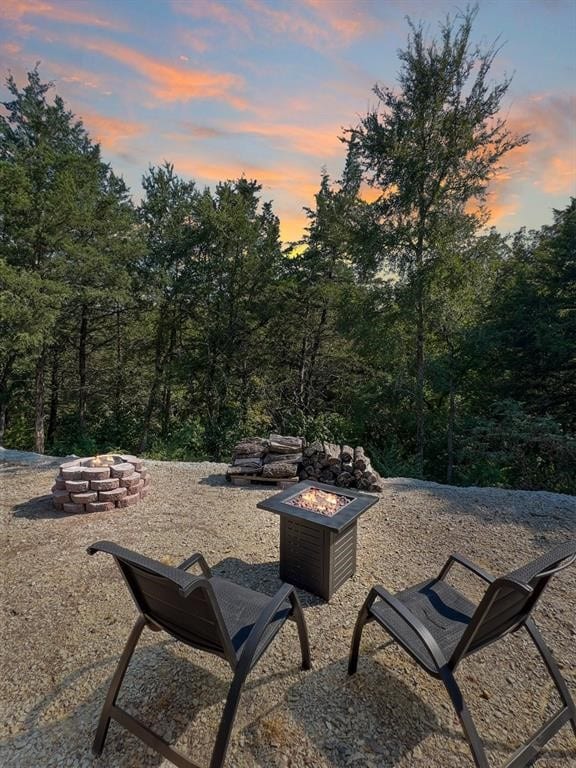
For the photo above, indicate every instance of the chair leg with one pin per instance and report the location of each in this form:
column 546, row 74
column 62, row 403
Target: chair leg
column 474, row 741
column 356, row 637
column 552, row 667
column 117, row 680
column 302, row 631
column 227, row 721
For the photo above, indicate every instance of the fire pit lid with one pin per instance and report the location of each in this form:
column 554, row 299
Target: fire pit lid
column 357, row 502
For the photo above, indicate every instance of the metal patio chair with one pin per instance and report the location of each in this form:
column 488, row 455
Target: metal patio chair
column 438, row 626
column 206, row 612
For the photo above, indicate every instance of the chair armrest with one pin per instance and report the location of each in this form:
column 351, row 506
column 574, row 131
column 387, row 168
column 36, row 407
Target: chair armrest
column 192, row 560
column 468, row 564
column 413, row 621
column 263, row 620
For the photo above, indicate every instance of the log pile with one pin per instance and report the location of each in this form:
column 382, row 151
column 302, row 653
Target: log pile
column 282, row 456
column 343, row 465
column 277, row 457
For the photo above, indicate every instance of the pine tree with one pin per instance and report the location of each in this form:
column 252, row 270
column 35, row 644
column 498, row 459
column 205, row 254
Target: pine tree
column 431, row 147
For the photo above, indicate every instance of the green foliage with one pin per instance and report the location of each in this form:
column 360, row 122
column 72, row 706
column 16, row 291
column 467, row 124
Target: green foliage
column 185, row 443
column 177, row 328
column 509, row 447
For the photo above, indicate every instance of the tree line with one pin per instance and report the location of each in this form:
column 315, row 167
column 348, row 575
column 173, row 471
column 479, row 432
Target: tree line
column 176, row 326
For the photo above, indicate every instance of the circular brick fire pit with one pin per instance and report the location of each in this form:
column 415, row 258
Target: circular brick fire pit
column 100, row 483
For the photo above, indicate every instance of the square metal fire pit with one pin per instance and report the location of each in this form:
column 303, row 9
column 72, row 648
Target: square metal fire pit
column 318, row 548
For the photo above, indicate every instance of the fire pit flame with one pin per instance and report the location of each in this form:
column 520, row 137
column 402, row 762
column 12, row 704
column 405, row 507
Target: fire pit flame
column 104, row 460
column 322, row 502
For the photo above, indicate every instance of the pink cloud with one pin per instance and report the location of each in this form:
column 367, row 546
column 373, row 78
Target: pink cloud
column 77, row 13
column 167, row 82
column 223, row 13
column 348, row 21
column 111, row 132
column 302, row 184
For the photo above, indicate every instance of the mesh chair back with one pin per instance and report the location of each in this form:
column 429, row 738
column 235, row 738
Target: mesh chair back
column 509, row 600
column 189, row 618
column 180, row 603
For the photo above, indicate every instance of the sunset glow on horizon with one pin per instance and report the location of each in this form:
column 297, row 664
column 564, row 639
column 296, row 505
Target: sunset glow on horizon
column 265, row 88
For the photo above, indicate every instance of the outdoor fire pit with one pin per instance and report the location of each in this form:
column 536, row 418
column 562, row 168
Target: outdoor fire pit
column 318, row 532
column 100, row 483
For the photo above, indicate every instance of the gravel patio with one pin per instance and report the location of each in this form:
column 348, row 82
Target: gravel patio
column 66, row 616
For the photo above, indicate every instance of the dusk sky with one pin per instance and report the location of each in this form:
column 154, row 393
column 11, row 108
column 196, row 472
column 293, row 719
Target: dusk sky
column 264, row 88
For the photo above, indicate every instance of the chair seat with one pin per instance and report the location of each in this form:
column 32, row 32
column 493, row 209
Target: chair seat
column 241, row 608
column 443, row 610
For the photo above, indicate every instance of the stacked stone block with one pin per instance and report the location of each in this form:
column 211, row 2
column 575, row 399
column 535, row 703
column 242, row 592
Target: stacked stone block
column 80, row 487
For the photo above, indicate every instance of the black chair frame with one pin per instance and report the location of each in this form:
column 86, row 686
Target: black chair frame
column 252, row 649
column 505, row 607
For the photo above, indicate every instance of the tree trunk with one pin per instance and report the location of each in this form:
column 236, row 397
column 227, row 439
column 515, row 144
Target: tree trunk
column 5, row 392
column 39, row 403
column 153, row 394
column 82, row 368
column 54, row 397
column 119, row 384
column 450, row 435
column 167, row 391
column 3, row 412
column 419, row 405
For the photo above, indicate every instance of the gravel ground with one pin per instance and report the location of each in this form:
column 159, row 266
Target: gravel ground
column 66, row 616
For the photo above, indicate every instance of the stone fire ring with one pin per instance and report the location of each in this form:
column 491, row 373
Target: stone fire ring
column 83, row 485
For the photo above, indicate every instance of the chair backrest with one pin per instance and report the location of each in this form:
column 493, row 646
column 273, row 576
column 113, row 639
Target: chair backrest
column 182, row 604
column 509, row 600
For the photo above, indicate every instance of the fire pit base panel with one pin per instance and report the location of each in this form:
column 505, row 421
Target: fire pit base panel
column 318, row 530
column 316, row 558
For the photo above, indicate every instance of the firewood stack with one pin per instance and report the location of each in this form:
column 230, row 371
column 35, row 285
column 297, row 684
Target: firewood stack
column 283, row 456
column 343, row 465
column 278, row 457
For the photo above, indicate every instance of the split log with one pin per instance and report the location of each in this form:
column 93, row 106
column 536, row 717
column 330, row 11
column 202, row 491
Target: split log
column 239, row 471
column 279, row 469
column 360, row 460
column 331, row 454
column 347, row 466
column 326, row 476
column 255, row 464
column 344, row 479
column 251, row 446
column 293, row 458
column 313, row 449
column 370, row 477
column 346, row 454
column 285, row 444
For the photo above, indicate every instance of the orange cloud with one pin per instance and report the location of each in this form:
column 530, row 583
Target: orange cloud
column 171, row 83
column 291, row 24
column 16, row 10
column 12, row 49
column 80, row 77
column 110, row 132
column 300, row 183
column 369, row 194
column 348, row 23
column 314, row 141
column 561, row 176
column 500, row 206
column 320, row 142
column 292, row 228
column 223, row 13
column 548, row 160
column 194, row 41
